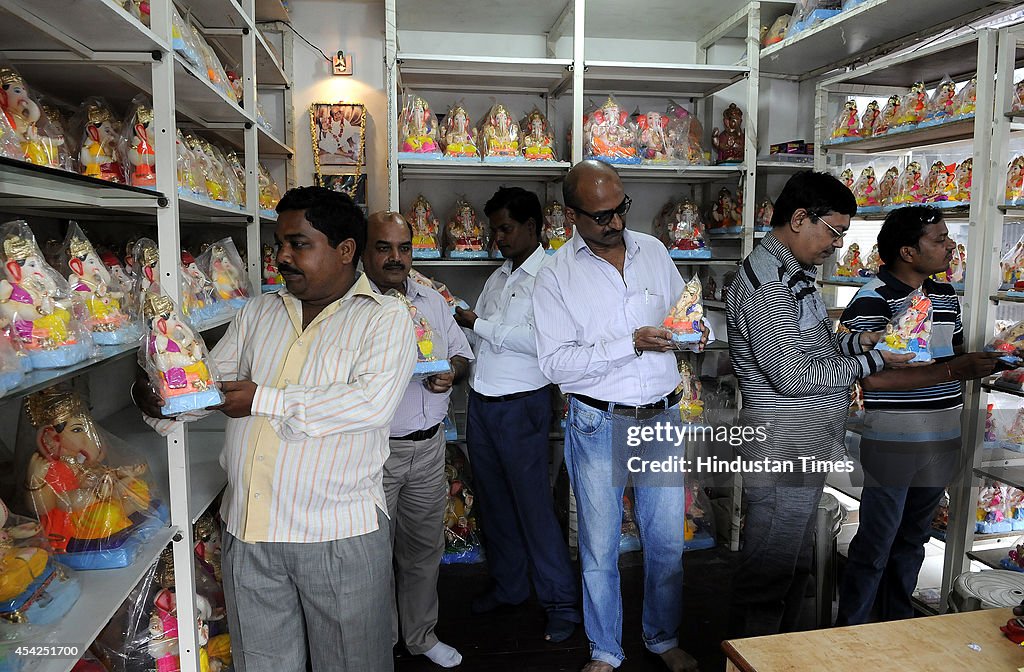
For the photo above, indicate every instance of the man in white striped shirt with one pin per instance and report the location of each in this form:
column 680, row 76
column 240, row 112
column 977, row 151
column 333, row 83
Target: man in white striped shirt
column 312, row 377
column 593, row 306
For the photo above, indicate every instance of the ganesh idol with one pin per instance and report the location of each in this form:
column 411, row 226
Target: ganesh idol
column 99, row 293
column 500, row 135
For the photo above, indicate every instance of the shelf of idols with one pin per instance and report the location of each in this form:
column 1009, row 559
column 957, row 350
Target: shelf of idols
column 1010, row 209
column 659, row 79
column 1002, row 297
column 993, row 557
column 916, row 138
column 483, row 74
column 192, row 209
column 453, row 263
column 39, row 379
column 992, row 385
column 1013, row 475
column 541, row 171
column 269, row 72
column 201, row 101
column 781, row 166
column 267, row 143
column 103, row 592
column 83, row 26
column 205, row 440
column 28, row 190
column 680, row 173
column 865, row 28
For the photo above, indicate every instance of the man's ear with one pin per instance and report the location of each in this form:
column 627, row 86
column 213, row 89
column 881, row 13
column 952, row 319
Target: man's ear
column 798, row 219
column 347, row 250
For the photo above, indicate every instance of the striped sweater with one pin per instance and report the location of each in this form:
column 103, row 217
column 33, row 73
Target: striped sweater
column 794, row 372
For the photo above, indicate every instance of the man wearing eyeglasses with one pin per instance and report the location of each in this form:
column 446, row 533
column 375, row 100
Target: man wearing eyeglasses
column 594, row 305
column 795, row 374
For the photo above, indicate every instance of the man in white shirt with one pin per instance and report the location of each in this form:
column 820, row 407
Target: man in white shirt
column 414, row 479
column 594, row 305
column 508, row 425
column 311, row 376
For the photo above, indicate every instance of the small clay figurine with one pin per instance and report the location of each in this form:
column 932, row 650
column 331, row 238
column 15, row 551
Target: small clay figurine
column 729, row 142
column 418, row 128
column 610, row 136
column 685, row 318
column 426, row 230
column 870, row 119
column 846, row 126
column 500, row 135
column 538, row 139
column 459, row 137
column 910, row 329
column 557, row 230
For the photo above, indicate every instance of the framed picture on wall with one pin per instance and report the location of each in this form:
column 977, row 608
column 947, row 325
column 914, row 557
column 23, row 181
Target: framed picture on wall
column 338, row 131
column 353, row 185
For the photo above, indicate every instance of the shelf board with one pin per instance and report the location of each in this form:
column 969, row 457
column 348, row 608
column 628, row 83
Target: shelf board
column 268, row 67
column 1008, row 209
column 1010, row 475
column 840, row 283
column 776, row 166
column 454, row 263
column 218, row 14
column 271, row 10
column 920, row 137
column 991, row 557
column 268, row 217
column 216, row 322
column 1018, row 114
column 991, row 386
column 82, row 26
column 680, row 173
column 542, row 171
column 1001, row 297
column 525, row 17
column 201, row 101
column 103, row 592
column 658, row 79
column 208, row 211
column 842, row 39
column 428, row 72
column 205, row 441
column 706, row 262
column 269, row 144
column 43, row 191
column 688, row 21
column 713, row 305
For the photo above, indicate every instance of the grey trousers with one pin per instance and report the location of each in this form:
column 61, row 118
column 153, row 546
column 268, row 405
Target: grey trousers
column 327, row 598
column 416, row 490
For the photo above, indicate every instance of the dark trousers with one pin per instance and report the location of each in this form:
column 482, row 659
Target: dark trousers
column 775, row 564
column 509, row 453
column 895, row 518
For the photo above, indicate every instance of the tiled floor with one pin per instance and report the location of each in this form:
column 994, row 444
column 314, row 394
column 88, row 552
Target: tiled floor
column 513, row 641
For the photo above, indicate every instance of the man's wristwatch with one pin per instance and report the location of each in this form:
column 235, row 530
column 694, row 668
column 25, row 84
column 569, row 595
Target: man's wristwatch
column 638, row 351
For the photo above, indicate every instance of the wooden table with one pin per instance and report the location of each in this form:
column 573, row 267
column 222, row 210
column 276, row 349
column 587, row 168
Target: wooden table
column 931, row 644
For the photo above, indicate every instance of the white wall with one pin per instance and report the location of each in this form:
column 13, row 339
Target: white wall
column 358, row 28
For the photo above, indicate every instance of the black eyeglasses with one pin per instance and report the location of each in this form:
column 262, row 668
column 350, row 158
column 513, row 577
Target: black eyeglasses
column 605, row 217
column 836, row 233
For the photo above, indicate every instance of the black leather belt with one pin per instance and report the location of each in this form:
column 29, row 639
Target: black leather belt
column 505, row 397
column 620, row 409
column 421, row 435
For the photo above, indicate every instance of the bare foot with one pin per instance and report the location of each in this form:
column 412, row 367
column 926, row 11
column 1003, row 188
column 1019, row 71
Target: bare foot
column 678, row 660
column 597, row 666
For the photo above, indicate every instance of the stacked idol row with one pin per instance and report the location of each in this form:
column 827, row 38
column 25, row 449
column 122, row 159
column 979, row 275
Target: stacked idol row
column 681, row 227
column 946, row 185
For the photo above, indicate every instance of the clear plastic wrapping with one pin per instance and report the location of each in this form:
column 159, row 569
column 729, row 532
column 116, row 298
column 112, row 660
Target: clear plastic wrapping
column 610, row 135
column 966, row 100
column 183, row 39
column 699, row 526
column 36, row 590
column 191, row 182
column 36, row 300
column 865, row 191
column 198, row 296
column 1009, row 342
column 223, row 266
column 26, row 134
column 214, row 171
column 912, row 109
column 846, row 125
column 654, row 145
column 691, row 406
column 942, row 105
column 91, row 493
column 146, row 266
column 538, row 142
column 963, row 178
column 1017, row 103
column 777, row 32
column 99, row 132
column 213, row 68
column 888, row 188
column 683, row 231
column 809, row 13
column 685, row 318
column 685, row 136
column 11, row 370
column 10, row 147
column 270, row 193
column 889, row 115
column 176, row 359
column 500, row 136
column 1011, row 267
column 870, row 120
column 557, row 230
column 428, row 362
column 236, row 175
column 910, row 185
column 849, row 269
column 940, row 183
column 466, row 238
column 138, row 153
column 1015, row 181
column 417, row 128
column 452, row 300
column 725, row 218
column 100, row 296
column 910, row 329
column 426, row 230
column 272, row 278
column 461, row 541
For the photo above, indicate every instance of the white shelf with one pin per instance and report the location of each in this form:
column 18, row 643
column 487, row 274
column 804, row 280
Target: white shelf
column 919, row 137
column 524, row 17
column 209, row 211
column 684, row 21
column 268, row 67
column 103, row 592
column 876, row 23
column 658, row 79
column 271, row 10
column 95, row 25
column 1011, row 209
column 541, row 171
column 713, row 305
column 201, row 101
column 680, row 173
column 1001, row 297
column 465, row 74
column 454, row 263
column 265, row 218
column 43, row 191
column 775, row 166
column 217, row 13
column 268, row 144
column 205, row 440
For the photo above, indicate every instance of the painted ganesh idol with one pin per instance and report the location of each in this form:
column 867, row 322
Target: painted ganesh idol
column 137, row 144
column 499, row 134
column 101, row 131
column 100, row 294
column 35, row 299
column 609, row 135
column 426, row 230
column 223, row 266
column 417, row 129
column 91, row 495
column 27, row 120
column 538, row 138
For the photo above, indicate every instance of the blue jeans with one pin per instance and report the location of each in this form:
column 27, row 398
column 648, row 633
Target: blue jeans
column 897, row 505
column 660, row 512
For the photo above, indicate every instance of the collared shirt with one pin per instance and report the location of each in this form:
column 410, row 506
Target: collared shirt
column 420, row 408
column 790, row 364
column 586, row 312
column 307, row 465
column 503, row 335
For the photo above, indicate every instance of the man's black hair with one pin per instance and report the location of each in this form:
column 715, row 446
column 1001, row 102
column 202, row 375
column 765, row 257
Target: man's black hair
column 817, row 193
column 522, row 206
column 904, row 227
column 332, row 213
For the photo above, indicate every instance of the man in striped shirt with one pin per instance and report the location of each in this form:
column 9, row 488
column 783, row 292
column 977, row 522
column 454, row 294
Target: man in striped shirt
column 312, row 377
column 911, row 438
column 795, row 377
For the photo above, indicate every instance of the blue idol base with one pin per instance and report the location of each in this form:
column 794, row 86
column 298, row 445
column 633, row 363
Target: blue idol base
column 117, row 337
column 58, row 358
column 468, row 254
column 704, row 253
column 428, row 369
column 619, row 160
column 423, row 253
column 192, row 402
column 924, row 355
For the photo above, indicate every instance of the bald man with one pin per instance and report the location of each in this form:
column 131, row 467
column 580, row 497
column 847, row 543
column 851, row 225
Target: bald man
column 414, row 480
column 595, row 310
